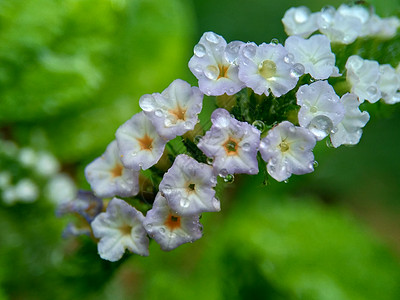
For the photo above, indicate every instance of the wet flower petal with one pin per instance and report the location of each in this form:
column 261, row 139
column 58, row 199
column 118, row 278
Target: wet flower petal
column 314, row 54
column 188, row 187
column 363, row 76
column 316, row 100
column 108, row 177
column 174, row 111
column 233, row 145
column 348, row 131
column 300, row 21
column 214, row 65
column 139, row 143
column 120, row 228
column 170, row 229
column 287, row 149
column 264, row 68
column 389, row 84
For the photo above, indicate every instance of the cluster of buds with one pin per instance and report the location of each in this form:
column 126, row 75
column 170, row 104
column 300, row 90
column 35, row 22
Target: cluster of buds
column 274, row 102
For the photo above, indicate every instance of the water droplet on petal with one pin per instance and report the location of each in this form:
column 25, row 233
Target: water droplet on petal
column 288, row 58
column 320, row 126
column 158, row 113
column 149, row 226
column 223, row 173
column 210, row 160
column 334, row 130
column 259, row 125
column 162, row 230
column 229, row 178
column 188, row 125
column 315, row 164
column 197, row 139
column 167, row 189
column 372, row 91
column 297, row 70
column 274, row 41
column 184, row 202
column 212, row 37
column 286, row 181
column 199, row 50
column 198, row 69
column 216, row 204
column 232, row 51
column 301, row 15
column 246, row 147
column 329, row 143
column 147, row 103
column 211, row 72
column 249, row 50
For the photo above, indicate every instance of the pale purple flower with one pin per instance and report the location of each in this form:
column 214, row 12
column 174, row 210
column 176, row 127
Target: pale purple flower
column 320, row 109
column 139, row 143
column 267, row 68
column 314, row 54
column 188, row 187
column 363, row 76
column 120, row 228
column 174, row 111
column 287, row 149
column 300, row 21
column 214, row 65
column 232, row 145
column 349, row 130
column 168, row 228
column 108, row 177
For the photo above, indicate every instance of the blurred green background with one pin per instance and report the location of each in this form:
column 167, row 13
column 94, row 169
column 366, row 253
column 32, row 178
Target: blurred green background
column 72, row 71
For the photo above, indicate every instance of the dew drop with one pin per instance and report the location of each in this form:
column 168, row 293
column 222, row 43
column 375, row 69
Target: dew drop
column 329, row 143
column 199, row 50
column 259, row 125
column 210, row 160
column 149, row 226
column 184, row 202
column 315, row 164
column 229, row 178
column 249, row 50
column 320, row 126
column 372, row 91
column 167, row 189
column 232, row 51
column 211, row 72
column 162, row 230
column 188, row 125
column 246, row 147
column 286, row 181
column 334, row 130
column 212, row 37
column 216, row 204
column 274, row 41
column 146, row 103
column 223, row 172
column 288, row 58
column 158, row 113
column 198, row 69
column 301, row 15
column 327, row 14
column 297, row 70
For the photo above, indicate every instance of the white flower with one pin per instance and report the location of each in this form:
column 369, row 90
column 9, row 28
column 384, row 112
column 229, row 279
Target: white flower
column 108, row 177
column 27, row 157
column 60, row 189
column 46, row 164
column 168, row 228
column 175, row 110
column 5, row 179
column 214, row 65
column 232, row 144
column 363, row 76
column 314, row 54
column 288, row 150
column 359, row 12
column 382, row 27
column 188, row 187
column 348, row 131
column 266, row 67
column 339, row 25
column 120, row 228
column 300, row 21
column 139, row 143
column 389, row 84
column 320, row 109
column 26, row 190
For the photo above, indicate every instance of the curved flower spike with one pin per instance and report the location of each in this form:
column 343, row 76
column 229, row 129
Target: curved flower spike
column 140, row 146
column 175, row 110
column 348, row 131
column 314, row 54
column 120, row 228
column 288, row 150
column 108, row 177
column 266, row 67
column 188, row 187
column 300, row 21
column 389, row 84
column 170, row 229
column 320, row 109
column 214, row 65
column 232, row 144
column 363, row 76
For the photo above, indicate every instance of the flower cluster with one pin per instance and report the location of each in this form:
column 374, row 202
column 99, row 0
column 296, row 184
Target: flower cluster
column 274, row 103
